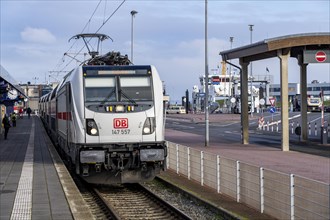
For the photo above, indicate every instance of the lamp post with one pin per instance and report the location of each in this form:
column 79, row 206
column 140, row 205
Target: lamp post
column 206, row 84
column 231, row 40
column 133, row 13
column 252, row 102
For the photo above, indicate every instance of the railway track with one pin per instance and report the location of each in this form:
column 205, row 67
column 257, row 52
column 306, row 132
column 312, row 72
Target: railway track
column 128, row 201
column 133, row 201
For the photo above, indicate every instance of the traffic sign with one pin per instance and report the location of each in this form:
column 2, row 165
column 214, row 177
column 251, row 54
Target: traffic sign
column 272, row 101
column 320, row 56
column 262, row 101
column 316, row 56
column 272, row 110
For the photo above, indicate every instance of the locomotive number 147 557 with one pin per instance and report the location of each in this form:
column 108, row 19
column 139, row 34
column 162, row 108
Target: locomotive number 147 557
column 120, row 131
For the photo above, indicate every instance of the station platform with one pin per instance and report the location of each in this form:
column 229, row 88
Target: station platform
column 34, row 183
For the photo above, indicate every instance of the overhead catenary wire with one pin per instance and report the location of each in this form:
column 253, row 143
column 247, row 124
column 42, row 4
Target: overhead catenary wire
column 60, row 62
column 104, row 22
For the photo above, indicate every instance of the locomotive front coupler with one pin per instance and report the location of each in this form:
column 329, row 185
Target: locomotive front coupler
column 120, row 165
column 144, row 167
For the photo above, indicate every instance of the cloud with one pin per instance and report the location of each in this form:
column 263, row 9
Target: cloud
column 37, row 35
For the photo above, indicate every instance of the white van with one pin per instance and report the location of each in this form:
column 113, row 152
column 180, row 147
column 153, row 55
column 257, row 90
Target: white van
column 176, row 110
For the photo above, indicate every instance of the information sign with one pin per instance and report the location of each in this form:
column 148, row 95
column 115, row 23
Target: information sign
column 272, row 110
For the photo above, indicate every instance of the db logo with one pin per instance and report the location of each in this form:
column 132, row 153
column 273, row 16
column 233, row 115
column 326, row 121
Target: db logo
column 120, row 123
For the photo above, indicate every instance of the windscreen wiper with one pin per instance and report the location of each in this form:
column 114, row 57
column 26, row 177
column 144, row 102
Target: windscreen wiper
column 108, row 96
column 126, row 97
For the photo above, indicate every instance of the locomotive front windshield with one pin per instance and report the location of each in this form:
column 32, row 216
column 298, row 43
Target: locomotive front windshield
column 104, row 93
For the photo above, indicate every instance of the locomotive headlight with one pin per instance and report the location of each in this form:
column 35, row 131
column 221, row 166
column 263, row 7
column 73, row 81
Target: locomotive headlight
column 93, row 131
column 120, row 108
column 149, row 126
column 146, row 130
column 91, row 127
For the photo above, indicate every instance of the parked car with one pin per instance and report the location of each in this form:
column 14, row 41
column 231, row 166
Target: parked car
column 176, row 109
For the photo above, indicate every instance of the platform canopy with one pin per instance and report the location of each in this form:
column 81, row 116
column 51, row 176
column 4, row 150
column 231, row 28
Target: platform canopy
column 7, row 80
column 307, row 48
column 268, row 48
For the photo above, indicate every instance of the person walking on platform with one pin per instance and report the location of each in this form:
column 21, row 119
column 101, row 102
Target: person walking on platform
column 28, row 111
column 6, row 125
column 13, row 119
column 20, row 113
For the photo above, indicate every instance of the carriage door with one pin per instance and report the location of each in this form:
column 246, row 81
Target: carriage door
column 68, row 116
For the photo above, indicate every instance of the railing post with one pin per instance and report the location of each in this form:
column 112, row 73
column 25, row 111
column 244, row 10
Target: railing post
column 277, row 126
column 202, row 168
column 262, row 205
column 292, row 195
column 309, row 129
column 237, row 182
column 177, row 158
column 267, row 125
column 188, row 153
column 218, row 174
column 315, row 131
column 292, row 127
column 168, row 155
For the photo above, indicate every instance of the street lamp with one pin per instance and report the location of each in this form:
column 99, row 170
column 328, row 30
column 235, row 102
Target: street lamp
column 133, row 13
column 252, row 102
column 231, row 40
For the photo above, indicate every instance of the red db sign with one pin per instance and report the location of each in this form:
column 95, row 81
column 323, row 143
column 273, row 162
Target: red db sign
column 120, row 123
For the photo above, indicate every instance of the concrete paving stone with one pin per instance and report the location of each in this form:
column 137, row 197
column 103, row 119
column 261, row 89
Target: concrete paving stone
column 39, row 205
column 11, row 186
column 40, row 199
column 38, row 212
column 62, row 217
column 4, row 215
column 41, row 217
column 6, row 205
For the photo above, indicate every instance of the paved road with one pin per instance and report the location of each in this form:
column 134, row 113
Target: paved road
column 226, row 128
column 265, row 151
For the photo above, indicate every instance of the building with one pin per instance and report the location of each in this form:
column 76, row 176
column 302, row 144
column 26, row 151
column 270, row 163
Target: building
column 34, row 92
column 313, row 90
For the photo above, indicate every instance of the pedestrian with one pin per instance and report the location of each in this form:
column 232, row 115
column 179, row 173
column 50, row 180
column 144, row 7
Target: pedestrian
column 21, row 113
column 28, row 111
column 13, row 119
column 6, row 125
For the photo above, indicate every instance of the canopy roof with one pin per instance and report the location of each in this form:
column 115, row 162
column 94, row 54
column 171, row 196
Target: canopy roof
column 268, row 47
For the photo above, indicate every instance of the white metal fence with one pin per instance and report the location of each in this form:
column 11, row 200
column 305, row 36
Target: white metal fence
column 277, row 194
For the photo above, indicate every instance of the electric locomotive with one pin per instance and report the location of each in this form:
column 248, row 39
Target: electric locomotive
column 108, row 120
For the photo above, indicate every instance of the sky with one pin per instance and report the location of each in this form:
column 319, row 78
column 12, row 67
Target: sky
column 168, row 34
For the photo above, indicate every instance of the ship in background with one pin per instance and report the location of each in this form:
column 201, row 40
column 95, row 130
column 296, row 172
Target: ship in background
column 224, row 92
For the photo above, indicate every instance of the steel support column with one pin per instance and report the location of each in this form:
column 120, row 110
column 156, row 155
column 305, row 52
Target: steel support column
column 244, row 102
column 284, row 55
column 303, row 97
